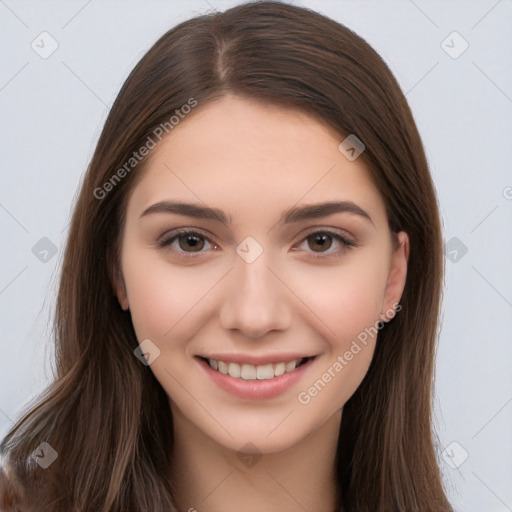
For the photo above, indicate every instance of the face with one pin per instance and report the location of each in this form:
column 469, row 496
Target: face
column 258, row 261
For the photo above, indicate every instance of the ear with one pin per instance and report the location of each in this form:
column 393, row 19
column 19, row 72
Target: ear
column 397, row 276
column 117, row 281
column 120, row 290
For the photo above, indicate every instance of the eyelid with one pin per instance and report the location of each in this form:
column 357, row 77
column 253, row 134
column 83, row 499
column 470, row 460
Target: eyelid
column 164, row 241
column 347, row 243
column 335, row 232
column 169, row 235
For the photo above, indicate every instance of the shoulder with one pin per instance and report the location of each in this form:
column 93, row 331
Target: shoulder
column 7, row 496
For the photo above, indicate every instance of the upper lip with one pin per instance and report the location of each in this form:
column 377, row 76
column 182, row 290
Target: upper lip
column 255, row 359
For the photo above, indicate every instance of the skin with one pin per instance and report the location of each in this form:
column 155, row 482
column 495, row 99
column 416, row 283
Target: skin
column 254, row 161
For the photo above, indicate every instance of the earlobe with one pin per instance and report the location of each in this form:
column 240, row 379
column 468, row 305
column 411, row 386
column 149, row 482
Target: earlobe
column 116, row 278
column 119, row 288
column 396, row 278
column 123, row 302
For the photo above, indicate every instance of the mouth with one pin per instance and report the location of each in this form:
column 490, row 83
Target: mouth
column 265, row 380
column 247, row 371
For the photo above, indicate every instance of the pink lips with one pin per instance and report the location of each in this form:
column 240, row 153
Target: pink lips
column 256, row 389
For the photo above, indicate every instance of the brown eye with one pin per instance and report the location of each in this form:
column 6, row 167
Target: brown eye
column 322, row 244
column 186, row 243
column 319, row 242
column 191, row 243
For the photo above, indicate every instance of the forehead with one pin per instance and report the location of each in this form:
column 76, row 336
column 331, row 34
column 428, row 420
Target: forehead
column 243, row 155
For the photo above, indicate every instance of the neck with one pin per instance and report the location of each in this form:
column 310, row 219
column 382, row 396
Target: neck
column 209, row 477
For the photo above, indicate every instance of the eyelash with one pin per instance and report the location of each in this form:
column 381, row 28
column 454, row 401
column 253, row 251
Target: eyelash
column 165, row 241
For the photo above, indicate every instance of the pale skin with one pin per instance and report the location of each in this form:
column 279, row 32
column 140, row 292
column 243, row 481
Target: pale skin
column 307, row 295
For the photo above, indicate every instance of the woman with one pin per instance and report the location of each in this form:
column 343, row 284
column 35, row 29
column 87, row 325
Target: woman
column 248, row 307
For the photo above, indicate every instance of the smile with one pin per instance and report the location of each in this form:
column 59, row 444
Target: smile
column 252, row 372
column 261, row 379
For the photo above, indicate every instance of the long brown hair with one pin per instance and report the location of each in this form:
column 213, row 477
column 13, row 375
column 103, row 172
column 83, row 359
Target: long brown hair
column 105, row 414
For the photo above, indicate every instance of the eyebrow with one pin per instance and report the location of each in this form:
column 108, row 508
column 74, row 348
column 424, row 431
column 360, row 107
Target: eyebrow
column 294, row 214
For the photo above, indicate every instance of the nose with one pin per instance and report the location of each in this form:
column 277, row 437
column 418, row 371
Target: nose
column 255, row 302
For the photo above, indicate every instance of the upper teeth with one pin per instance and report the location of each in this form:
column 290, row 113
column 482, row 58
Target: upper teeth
column 252, row 372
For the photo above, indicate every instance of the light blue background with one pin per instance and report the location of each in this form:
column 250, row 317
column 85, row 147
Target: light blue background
column 52, row 112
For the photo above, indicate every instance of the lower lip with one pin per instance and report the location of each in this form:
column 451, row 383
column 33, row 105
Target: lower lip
column 256, row 389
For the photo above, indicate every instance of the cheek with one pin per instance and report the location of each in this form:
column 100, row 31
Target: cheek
column 163, row 297
column 349, row 306
column 345, row 299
